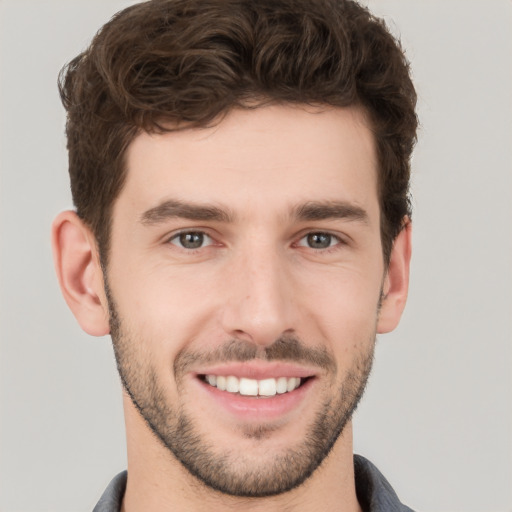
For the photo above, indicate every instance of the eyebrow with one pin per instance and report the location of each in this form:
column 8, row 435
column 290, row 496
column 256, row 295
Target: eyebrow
column 310, row 211
column 325, row 210
column 178, row 209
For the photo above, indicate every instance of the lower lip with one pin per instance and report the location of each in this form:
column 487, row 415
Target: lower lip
column 258, row 408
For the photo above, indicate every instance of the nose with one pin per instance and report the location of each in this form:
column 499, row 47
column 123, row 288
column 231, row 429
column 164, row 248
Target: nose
column 259, row 306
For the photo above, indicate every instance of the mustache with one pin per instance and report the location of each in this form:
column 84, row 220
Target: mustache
column 285, row 348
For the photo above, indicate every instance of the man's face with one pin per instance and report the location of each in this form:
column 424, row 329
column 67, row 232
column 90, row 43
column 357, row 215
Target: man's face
column 248, row 256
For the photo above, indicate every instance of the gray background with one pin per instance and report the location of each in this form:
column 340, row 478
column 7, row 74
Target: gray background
column 437, row 417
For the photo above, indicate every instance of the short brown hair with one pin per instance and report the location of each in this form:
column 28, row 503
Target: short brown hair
column 178, row 63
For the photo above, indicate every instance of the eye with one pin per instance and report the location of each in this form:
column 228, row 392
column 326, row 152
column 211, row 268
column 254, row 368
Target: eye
column 191, row 240
column 319, row 240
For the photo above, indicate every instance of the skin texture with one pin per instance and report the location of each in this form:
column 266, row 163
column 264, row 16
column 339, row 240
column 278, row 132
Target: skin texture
column 286, row 274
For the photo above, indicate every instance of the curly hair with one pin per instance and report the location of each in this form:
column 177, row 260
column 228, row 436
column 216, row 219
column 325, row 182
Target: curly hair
column 165, row 64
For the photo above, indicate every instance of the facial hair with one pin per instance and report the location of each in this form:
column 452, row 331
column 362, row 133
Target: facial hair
column 230, row 472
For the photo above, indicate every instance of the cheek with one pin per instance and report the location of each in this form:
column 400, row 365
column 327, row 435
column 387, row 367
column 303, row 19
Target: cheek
column 164, row 310
column 342, row 307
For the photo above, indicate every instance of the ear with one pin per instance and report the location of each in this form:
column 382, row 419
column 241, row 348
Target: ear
column 79, row 272
column 396, row 281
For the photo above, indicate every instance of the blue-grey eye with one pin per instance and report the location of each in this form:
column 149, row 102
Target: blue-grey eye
column 191, row 239
column 319, row 240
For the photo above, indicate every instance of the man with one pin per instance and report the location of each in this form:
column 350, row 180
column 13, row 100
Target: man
column 240, row 172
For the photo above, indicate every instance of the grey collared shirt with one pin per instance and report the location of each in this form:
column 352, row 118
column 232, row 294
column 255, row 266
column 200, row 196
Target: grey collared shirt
column 374, row 492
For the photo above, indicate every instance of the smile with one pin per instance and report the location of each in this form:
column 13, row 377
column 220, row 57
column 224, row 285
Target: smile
column 253, row 387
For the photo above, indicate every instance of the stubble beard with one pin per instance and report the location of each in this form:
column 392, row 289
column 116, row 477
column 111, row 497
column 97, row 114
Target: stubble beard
column 230, row 472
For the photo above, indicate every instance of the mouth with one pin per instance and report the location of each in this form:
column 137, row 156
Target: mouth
column 262, row 388
column 257, row 391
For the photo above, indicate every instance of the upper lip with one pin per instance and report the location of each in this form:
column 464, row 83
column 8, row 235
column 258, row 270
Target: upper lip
column 258, row 370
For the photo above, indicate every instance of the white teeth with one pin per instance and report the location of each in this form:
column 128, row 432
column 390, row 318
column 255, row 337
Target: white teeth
column 281, row 385
column 232, row 384
column 248, row 387
column 292, row 384
column 221, row 382
column 267, row 387
column 253, row 387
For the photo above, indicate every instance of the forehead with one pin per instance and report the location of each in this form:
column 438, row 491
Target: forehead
column 267, row 157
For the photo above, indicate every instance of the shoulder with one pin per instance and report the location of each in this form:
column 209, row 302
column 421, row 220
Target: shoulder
column 112, row 498
column 374, row 492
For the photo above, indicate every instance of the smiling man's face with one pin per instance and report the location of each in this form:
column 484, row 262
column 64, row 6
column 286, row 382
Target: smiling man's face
column 246, row 284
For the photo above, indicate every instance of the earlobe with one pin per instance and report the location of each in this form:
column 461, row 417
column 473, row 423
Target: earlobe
column 79, row 272
column 396, row 282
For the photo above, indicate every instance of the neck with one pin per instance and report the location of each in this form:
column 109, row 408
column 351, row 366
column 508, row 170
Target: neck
column 157, row 481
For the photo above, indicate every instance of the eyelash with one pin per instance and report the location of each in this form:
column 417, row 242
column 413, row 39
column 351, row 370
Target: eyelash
column 178, row 236
column 332, row 238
